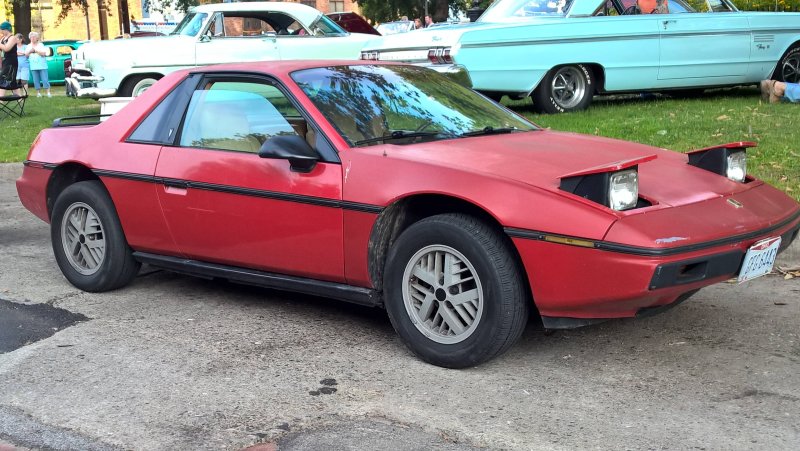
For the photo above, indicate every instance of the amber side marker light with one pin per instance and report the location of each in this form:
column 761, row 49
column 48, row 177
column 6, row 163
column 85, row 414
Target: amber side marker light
column 569, row 241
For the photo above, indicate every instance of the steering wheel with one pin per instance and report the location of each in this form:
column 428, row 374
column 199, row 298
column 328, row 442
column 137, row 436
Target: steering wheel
column 631, row 10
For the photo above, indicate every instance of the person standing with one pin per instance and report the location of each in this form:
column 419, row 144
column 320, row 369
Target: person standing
column 37, row 54
column 23, row 70
column 8, row 70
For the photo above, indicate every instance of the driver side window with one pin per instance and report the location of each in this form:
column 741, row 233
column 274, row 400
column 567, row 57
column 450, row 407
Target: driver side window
column 239, row 116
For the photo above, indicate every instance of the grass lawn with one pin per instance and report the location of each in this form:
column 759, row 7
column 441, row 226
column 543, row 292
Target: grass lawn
column 17, row 134
column 717, row 117
column 714, row 118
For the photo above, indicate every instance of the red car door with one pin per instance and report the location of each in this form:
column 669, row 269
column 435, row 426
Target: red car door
column 225, row 204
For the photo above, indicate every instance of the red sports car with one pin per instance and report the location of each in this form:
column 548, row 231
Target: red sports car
column 391, row 185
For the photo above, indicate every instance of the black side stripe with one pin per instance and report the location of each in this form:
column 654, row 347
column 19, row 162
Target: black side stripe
column 288, row 197
column 652, row 251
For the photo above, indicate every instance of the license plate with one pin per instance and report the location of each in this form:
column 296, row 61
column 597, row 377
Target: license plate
column 759, row 259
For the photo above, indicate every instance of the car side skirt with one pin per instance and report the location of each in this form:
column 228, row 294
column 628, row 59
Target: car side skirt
column 348, row 293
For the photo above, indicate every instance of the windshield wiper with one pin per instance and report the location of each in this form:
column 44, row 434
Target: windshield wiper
column 397, row 134
column 489, row 130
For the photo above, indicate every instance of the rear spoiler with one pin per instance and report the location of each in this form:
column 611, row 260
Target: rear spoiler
column 91, row 119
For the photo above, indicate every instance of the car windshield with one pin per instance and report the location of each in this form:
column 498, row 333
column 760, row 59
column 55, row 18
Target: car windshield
column 402, row 104
column 324, row 26
column 395, row 27
column 504, row 10
column 191, row 24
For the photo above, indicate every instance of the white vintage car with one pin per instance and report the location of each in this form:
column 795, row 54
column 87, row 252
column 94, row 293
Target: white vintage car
column 211, row 34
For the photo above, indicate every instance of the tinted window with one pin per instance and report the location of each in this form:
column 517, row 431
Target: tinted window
column 161, row 123
column 239, row 116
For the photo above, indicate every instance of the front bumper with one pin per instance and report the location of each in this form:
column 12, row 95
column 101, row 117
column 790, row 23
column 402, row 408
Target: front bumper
column 574, row 286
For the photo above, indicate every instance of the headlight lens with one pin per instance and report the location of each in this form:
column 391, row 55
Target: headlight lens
column 736, row 169
column 623, row 190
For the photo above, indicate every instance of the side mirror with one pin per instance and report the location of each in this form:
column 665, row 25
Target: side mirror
column 302, row 158
column 204, row 38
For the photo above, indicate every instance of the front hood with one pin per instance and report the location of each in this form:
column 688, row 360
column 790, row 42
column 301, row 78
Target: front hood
column 541, row 158
column 156, row 50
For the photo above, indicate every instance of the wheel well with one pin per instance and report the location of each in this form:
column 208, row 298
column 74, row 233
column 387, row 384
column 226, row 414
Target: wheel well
column 599, row 76
column 776, row 75
column 64, row 176
column 400, row 215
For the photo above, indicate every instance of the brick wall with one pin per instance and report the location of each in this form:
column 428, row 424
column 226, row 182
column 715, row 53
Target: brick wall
column 44, row 19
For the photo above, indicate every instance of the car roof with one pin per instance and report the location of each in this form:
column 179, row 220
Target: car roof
column 284, row 68
column 288, row 7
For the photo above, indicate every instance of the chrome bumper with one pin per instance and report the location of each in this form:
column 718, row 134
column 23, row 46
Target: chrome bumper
column 85, row 86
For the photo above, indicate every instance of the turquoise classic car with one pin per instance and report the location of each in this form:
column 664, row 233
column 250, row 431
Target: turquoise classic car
column 562, row 52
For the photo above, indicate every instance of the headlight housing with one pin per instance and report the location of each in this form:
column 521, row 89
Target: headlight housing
column 728, row 160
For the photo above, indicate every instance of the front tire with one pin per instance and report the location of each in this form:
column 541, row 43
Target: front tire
column 88, row 241
column 564, row 89
column 453, row 291
column 788, row 69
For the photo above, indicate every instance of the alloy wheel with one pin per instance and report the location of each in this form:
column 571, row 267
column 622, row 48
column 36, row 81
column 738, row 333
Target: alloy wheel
column 442, row 294
column 83, row 239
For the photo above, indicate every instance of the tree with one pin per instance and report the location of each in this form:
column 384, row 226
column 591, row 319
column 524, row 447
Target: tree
column 388, row 10
column 22, row 15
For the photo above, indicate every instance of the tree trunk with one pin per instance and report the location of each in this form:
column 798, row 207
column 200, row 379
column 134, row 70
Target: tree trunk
column 124, row 19
column 101, row 13
column 440, row 11
column 22, row 16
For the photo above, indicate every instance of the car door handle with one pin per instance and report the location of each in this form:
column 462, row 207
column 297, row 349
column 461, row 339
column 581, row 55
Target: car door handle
column 178, row 187
column 667, row 22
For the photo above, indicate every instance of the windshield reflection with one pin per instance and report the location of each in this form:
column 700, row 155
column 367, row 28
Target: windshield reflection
column 402, row 104
column 190, row 25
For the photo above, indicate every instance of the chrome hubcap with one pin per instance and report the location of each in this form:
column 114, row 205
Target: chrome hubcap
column 568, row 87
column 791, row 69
column 83, row 239
column 442, row 294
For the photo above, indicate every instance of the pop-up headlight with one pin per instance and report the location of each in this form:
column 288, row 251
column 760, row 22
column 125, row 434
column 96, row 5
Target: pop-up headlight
column 728, row 160
column 623, row 189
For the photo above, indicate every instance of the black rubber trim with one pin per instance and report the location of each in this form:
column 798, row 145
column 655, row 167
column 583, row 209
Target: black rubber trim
column 696, row 269
column 288, row 197
column 651, row 251
column 560, row 322
column 49, row 166
column 340, row 291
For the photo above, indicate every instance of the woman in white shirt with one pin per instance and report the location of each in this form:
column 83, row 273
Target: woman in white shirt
column 37, row 53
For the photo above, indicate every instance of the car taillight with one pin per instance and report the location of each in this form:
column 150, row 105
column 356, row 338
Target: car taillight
column 440, row 55
column 370, row 56
column 67, row 68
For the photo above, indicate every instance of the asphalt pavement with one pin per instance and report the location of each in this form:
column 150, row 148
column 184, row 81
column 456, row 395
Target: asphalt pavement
column 174, row 362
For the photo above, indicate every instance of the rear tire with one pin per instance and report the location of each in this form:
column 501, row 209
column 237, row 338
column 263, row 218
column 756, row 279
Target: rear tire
column 454, row 292
column 788, row 69
column 88, row 241
column 564, row 89
column 137, row 85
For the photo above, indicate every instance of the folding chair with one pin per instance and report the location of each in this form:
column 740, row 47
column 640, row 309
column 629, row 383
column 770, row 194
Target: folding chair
column 13, row 105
